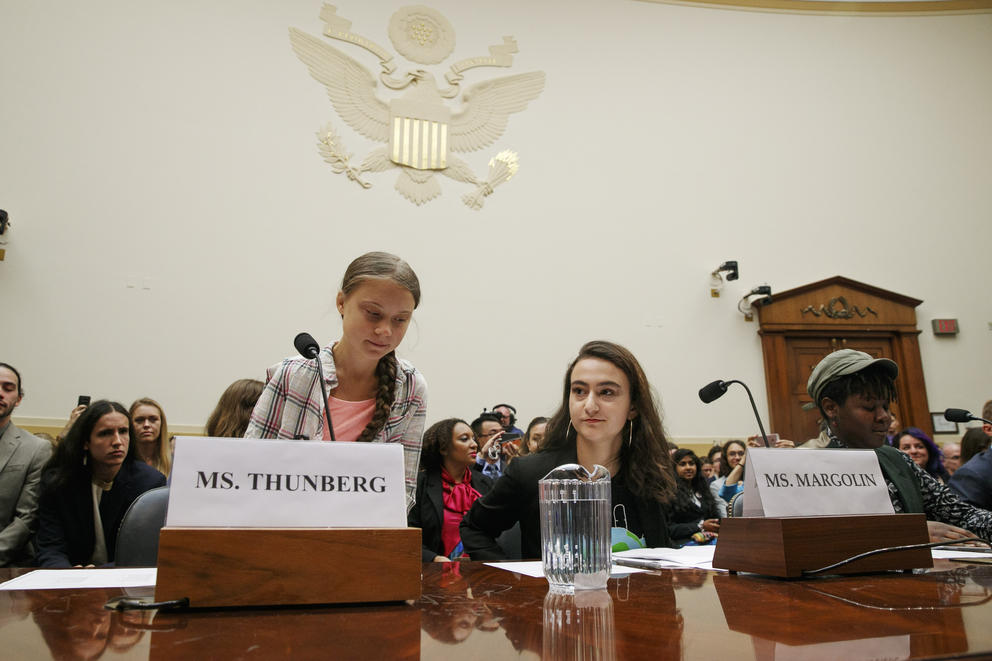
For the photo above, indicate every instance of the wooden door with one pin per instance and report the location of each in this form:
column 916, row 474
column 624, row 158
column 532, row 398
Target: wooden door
column 804, row 324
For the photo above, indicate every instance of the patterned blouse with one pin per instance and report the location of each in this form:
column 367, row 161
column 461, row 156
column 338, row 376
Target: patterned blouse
column 939, row 502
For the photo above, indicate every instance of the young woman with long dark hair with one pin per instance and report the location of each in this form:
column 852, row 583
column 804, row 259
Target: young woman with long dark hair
column 607, row 416
column 88, row 485
column 693, row 510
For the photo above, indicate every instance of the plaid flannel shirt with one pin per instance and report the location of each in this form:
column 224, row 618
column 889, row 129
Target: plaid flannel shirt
column 292, row 407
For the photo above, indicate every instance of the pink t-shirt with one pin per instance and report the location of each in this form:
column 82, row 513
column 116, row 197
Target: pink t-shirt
column 349, row 418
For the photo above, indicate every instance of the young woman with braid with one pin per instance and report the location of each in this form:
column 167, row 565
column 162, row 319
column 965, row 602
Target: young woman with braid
column 373, row 395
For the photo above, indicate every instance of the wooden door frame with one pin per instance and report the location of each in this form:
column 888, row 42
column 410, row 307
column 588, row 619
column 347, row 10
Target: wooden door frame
column 863, row 311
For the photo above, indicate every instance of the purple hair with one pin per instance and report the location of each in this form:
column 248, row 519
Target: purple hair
column 935, row 463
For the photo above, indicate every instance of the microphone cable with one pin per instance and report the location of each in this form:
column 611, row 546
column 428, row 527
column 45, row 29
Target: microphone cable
column 890, row 549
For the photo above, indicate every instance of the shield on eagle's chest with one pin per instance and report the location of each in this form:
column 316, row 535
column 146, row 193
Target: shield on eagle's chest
column 419, row 135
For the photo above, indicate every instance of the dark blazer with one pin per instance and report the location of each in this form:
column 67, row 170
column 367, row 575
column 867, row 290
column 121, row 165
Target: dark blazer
column 684, row 517
column 973, row 481
column 428, row 512
column 514, row 498
column 65, row 529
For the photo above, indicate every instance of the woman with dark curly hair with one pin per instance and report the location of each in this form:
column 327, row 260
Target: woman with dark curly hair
column 694, row 509
column 608, row 417
column 88, row 485
column 446, row 488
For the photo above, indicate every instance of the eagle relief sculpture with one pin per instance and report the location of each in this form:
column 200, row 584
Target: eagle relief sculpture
column 420, row 130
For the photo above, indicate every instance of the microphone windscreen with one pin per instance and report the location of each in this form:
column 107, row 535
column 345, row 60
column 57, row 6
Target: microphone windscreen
column 712, row 391
column 306, row 345
column 958, row 415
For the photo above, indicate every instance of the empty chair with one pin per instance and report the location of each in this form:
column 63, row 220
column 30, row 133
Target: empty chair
column 137, row 539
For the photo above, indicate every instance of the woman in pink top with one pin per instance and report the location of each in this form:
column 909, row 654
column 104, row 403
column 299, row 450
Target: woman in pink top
column 374, row 396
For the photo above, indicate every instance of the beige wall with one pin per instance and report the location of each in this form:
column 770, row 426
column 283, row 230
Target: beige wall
column 171, row 146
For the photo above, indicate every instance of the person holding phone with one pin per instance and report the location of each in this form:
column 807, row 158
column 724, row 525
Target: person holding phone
column 497, row 450
column 373, row 395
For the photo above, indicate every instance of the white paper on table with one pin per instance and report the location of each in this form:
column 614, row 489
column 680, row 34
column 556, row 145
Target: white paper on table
column 698, row 557
column 944, row 554
column 535, row 569
column 61, row 579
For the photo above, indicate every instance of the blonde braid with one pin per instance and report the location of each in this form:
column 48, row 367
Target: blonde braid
column 385, row 372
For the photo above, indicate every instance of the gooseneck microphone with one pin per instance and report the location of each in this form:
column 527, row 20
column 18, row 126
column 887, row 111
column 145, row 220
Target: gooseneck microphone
column 715, row 390
column 960, row 415
column 308, row 348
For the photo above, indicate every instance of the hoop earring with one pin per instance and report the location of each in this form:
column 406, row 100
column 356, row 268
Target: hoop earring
column 630, row 437
column 85, row 458
column 568, row 428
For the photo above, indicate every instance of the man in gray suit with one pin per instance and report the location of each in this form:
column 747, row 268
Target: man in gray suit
column 22, row 457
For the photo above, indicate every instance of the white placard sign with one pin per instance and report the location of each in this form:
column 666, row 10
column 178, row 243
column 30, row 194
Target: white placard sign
column 252, row 483
column 788, row 482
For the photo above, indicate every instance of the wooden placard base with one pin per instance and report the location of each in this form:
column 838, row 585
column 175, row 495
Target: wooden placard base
column 786, row 547
column 225, row 567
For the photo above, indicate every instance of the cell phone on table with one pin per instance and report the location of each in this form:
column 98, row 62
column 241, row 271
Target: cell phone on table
column 84, row 400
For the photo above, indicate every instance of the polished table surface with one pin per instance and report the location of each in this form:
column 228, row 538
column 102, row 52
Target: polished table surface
column 472, row 611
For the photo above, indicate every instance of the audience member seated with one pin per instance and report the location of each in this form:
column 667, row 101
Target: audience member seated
column 706, row 467
column 495, row 454
column 951, row 453
column 90, row 481
column 715, row 455
column 974, row 441
column 733, row 453
column 892, row 435
column 22, row 458
column 987, row 414
column 508, row 418
column 446, row 488
column 853, row 392
column 534, row 435
column 693, row 516
column 973, row 480
column 151, row 441
column 232, row 414
column 923, row 451
column 608, row 417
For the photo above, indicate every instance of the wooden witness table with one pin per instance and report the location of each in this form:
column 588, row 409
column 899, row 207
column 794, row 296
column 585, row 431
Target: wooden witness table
column 471, row 611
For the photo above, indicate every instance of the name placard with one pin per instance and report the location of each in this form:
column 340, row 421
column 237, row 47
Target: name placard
column 786, row 482
column 252, row 483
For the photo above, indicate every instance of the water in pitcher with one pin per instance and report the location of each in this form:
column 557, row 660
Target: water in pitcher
column 575, row 527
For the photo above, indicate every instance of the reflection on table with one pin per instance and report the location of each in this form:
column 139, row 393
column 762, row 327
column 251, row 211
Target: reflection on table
column 469, row 610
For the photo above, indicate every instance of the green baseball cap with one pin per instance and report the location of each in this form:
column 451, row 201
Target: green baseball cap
column 841, row 363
